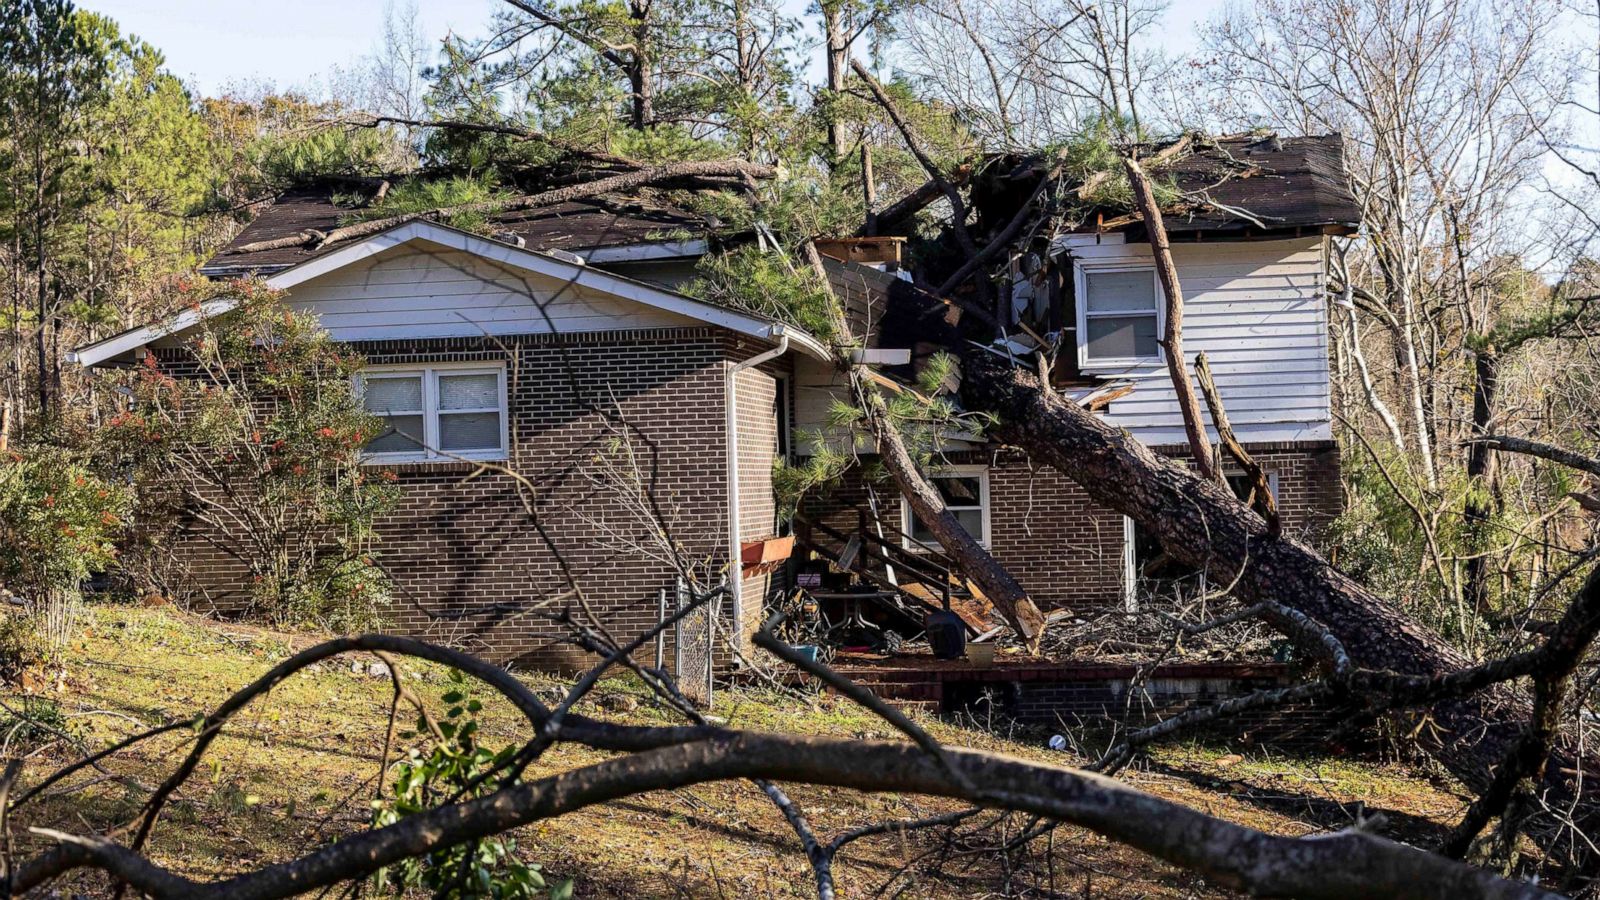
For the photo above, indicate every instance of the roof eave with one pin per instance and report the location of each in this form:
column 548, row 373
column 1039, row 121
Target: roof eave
column 578, row 272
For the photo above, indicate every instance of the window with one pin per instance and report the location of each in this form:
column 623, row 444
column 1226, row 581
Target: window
column 1150, row 574
column 437, row 413
column 1119, row 316
column 965, row 490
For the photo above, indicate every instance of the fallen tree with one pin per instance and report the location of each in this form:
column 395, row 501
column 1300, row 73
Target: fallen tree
column 627, row 181
column 1201, row 523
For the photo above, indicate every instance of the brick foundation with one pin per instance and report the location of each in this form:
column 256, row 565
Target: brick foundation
column 1074, row 696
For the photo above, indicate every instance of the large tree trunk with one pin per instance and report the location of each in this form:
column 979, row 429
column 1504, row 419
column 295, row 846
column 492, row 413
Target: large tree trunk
column 640, row 78
column 837, row 51
column 1200, row 523
column 976, row 563
column 1480, row 503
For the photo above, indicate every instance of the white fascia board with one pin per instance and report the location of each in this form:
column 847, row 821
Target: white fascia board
column 620, row 253
column 97, row 353
column 1073, row 240
column 880, row 357
column 534, row 261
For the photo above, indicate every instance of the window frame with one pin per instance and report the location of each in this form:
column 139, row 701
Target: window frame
column 1080, row 276
column 430, row 412
column 985, row 500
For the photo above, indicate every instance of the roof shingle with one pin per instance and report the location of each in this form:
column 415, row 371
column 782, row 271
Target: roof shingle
column 580, row 225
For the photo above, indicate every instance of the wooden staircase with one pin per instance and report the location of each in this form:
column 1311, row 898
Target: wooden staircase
column 919, row 576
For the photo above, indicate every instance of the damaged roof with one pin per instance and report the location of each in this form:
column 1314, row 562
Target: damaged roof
column 1243, row 184
column 595, row 223
column 1273, row 182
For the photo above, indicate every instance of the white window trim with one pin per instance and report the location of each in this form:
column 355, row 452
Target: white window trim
column 1080, row 276
column 969, row 471
column 430, row 410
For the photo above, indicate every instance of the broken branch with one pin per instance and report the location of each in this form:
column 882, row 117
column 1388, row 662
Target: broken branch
column 616, row 183
column 1260, row 485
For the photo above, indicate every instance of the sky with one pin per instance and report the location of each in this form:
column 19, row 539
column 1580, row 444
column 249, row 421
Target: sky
column 293, row 43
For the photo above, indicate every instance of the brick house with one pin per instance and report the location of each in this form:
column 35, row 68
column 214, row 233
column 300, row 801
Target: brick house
column 543, row 346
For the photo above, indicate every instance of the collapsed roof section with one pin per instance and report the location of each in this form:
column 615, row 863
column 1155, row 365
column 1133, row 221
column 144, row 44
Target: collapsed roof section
column 1241, row 186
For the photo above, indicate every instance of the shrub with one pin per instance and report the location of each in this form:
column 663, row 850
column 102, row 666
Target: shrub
column 58, row 524
column 458, row 767
column 22, row 646
column 261, row 449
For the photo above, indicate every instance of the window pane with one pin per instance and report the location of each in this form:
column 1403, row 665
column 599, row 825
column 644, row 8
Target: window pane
column 469, row 391
column 402, row 434
column 1122, row 337
column 383, row 394
column 959, row 491
column 469, row 431
column 1120, row 291
column 970, row 519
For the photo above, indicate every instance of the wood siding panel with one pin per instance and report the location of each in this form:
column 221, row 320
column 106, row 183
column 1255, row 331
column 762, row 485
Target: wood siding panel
column 1256, row 309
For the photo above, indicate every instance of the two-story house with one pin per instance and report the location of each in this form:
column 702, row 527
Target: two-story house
column 540, row 345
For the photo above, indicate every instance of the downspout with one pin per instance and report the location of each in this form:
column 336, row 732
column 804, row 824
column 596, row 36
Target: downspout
column 730, row 404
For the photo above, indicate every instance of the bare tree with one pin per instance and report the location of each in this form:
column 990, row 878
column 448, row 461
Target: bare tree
column 1025, row 73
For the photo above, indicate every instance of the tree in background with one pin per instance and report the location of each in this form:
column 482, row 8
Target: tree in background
column 1442, row 106
column 54, row 73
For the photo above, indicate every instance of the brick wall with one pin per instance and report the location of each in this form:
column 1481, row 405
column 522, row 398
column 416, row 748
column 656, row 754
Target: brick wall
column 467, row 563
column 1067, row 550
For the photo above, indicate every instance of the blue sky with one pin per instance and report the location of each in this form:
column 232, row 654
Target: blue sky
column 214, row 43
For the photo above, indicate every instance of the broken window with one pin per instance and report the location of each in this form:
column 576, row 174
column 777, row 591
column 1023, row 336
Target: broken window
column 1118, row 315
column 965, row 490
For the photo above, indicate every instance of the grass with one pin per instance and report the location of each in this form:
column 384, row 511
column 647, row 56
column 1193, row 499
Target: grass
column 299, row 769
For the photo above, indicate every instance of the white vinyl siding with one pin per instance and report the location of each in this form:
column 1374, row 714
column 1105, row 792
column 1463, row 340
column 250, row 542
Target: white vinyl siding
column 965, row 490
column 1256, row 308
column 416, row 291
column 437, row 413
column 1119, row 315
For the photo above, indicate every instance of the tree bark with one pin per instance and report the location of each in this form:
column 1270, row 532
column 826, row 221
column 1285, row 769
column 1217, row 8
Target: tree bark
column 1261, row 498
column 1172, row 339
column 639, row 80
column 869, row 192
column 837, row 52
column 1201, row 524
column 1480, row 503
column 918, row 199
column 976, row 563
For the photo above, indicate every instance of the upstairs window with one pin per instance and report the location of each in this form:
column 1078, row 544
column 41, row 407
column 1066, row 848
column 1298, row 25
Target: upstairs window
column 965, row 490
column 1119, row 316
column 436, row 413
